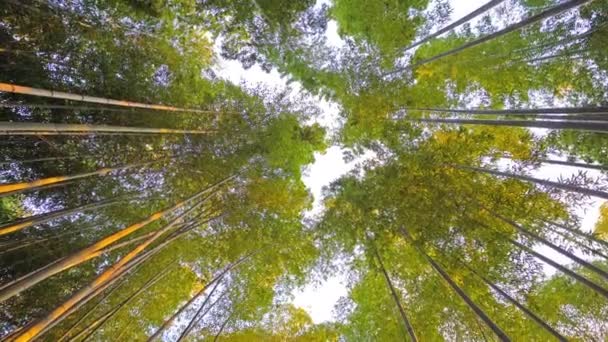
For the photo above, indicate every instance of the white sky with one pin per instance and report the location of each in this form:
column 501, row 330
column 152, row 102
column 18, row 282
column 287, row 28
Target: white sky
column 319, row 301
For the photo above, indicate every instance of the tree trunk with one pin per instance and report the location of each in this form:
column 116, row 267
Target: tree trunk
column 217, row 336
column 519, row 111
column 15, row 188
column 567, row 187
column 27, row 128
column 217, row 278
column 549, row 244
column 389, row 283
column 34, row 160
column 195, row 318
column 78, row 257
column 587, row 126
column 16, row 89
column 511, row 28
column 478, row 311
column 486, row 7
column 107, row 275
column 598, row 289
column 578, row 243
column 520, row 306
column 99, row 322
column 577, row 232
column 43, row 218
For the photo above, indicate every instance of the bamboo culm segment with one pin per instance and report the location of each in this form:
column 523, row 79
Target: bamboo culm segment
column 43, row 218
column 561, row 186
column 27, row 128
column 520, row 306
column 33, row 331
column 215, row 279
column 511, row 28
column 484, row 8
column 17, row 89
column 82, row 255
column 389, row 283
column 589, row 126
column 478, row 311
column 14, row 188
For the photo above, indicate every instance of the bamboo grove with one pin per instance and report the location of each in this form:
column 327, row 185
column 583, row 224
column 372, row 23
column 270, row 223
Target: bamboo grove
column 145, row 197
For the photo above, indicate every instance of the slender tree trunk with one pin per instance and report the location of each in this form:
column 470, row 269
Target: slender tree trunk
column 88, row 108
column 598, row 289
column 577, row 232
column 26, row 128
column 98, row 323
column 68, row 332
column 578, row 243
column 588, row 126
column 549, row 244
column 195, row 318
column 478, row 311
column 389, row 283
column 561, row 186
column 201, row 292
column 131, row 267
column 15, row 188
column 16, row 89
column 78, row 257
column 217, row 336
column 34, row 160
column 564, row 6
column 520, row 306
column 573, row 164
column 43, row 218
column 104, row 277
column 484, row 8
column 521, row 111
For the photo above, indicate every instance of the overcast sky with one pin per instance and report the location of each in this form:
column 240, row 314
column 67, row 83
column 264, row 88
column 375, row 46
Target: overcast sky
column 319, row 301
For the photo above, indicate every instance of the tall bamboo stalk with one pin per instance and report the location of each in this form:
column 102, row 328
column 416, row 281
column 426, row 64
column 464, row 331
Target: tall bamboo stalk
column 549, row 244
column 520, row 306
column 517, row 111
column 82, row 255
column 587, row 126
column 389, row 283
column 29, row 128
column 15, row 188
column 17, row 89
column 32, row 331
column 197, row 314
column 484, row 8
column 557, row 185
column 43, row 218
column 99, row 322
column 478, row 311
column 564, row 6
column 215, row 279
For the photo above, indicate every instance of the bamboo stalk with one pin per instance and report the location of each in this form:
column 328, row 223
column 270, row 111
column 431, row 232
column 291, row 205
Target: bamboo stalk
column 77, row 258
column 27, row 128
column 478, row 311
column 17, row 89
column 34, row 330
column 43, row 218
column 14, row 188
column 588, row 126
